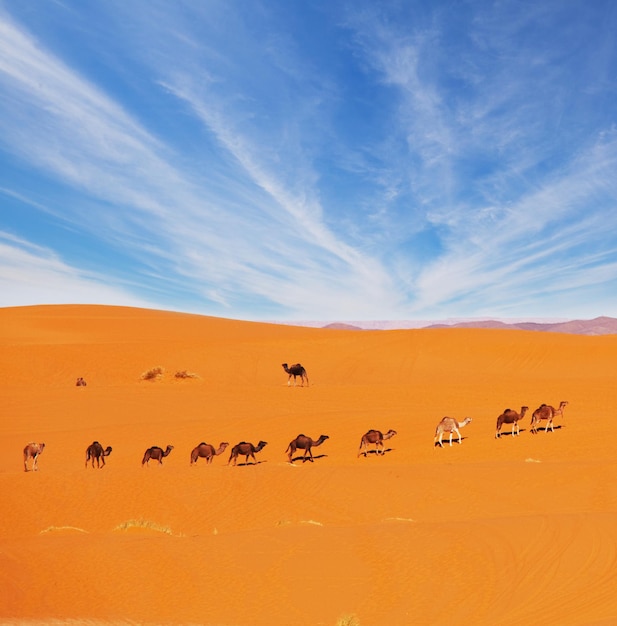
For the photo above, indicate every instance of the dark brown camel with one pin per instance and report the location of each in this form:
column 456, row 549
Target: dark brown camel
column 304, row 443
column 510, row 417
column 207, row 451
column 95, row 452
column 376, row 437
column 449, row 425
column 80, row 382
column 295, row 371
column 156, row 454
column 548, row 413
column 32, row 451
column 246, row 449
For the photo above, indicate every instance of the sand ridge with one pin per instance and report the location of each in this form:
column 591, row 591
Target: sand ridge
column 492, row 531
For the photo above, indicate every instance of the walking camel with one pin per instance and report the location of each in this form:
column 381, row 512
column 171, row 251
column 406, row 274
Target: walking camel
column 376, row 437
column 245, row 449
column 207, row 451
column 549, row 413
column 510, row 417
column 449, row 425
column 95, row 452
column 304, row 443
column 295, row 371
column 32, row 451
column 155, row 453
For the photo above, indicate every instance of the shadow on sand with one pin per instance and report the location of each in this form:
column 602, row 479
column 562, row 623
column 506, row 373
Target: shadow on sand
column 376, row 452
column 308, row 458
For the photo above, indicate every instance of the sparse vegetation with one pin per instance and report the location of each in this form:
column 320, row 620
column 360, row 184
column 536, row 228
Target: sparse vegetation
column 154, row 373
column 51, row 529
column 143, row 524
column 348, row 620
column 184, row 374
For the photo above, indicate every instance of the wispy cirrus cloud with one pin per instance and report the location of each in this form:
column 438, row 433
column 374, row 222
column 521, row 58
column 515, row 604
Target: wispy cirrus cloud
column 316, row 162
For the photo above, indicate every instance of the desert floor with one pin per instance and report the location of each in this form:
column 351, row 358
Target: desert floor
column 516, row 530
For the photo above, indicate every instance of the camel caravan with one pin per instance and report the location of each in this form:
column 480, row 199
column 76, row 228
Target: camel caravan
column 96, row 453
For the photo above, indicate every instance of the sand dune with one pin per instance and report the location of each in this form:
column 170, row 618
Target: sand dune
column 517, row 530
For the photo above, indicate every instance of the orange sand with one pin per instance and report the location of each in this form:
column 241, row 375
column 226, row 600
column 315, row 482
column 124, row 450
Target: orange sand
column 521, row 530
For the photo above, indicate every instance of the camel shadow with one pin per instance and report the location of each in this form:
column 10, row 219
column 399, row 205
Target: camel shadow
column 548, row 430
column 245, row 464
column 304, row 459
column 509, row 434
column 377, row 452
column 447, row 443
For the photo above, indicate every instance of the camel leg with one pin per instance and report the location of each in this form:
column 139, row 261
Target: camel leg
column 441, row 439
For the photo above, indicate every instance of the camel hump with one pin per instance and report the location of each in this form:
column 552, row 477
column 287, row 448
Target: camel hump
column 507, row 410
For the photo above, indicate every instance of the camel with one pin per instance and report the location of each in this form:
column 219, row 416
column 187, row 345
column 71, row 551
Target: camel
column 304, row 443
column 510, row 417
column 156, row 453
column 32, row 451
column 207, row 451
column 376, row 437
column 449, row 425
column 80, row 382
column 247, row 449
column 295, row 371
column 549, row 413
column 95, row 451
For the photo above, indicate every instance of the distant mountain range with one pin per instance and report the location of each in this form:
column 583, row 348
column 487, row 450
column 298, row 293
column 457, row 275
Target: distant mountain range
column 596, row 326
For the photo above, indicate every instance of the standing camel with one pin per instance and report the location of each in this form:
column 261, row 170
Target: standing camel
column 95, row 451
column 156, row 453
column 207, row 451
column 32, row 451
column 295, row 371
column 449, row 425
column 510, row 417
column 549, row 413
column 376, row 437
column 304, row 443
column 246, row 449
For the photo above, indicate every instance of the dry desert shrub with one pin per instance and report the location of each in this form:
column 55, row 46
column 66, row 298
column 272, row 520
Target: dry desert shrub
column 145, row 525
column 348, row 620
column 181, row 374
column 154, row 373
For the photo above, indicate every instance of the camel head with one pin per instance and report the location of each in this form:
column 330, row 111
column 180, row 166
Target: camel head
column 321, row 439
column 261, row 445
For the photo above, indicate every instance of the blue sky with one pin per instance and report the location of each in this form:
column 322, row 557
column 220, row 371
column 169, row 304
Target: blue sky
column 311, row 160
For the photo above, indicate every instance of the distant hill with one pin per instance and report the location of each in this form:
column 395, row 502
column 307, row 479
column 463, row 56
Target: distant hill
column 342, row 326
column 597, row 326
